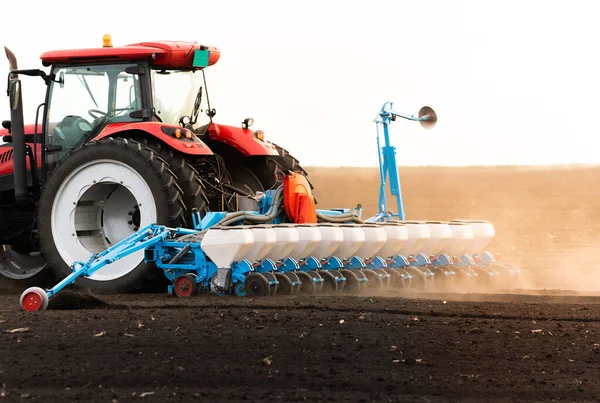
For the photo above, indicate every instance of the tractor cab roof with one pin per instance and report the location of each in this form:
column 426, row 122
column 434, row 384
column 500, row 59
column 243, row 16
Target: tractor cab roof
column 167, row 54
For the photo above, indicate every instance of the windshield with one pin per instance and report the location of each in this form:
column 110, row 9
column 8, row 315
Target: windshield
column 85, row 98
column 179, row 93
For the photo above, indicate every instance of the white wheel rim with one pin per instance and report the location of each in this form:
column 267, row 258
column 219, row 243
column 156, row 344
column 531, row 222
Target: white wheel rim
column 19, row 266
column 94, row 209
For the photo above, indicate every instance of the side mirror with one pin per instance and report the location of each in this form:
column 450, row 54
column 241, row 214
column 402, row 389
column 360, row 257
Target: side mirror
column 61, row 79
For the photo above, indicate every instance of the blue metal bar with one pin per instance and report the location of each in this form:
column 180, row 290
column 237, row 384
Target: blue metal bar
column 185, row 231
column 333, row 211
column 142, row 239
column 389, row 153
column 382, row 176
column 388, row 166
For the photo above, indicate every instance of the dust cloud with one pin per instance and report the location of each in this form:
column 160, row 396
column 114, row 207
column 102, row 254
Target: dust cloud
column 546, row 219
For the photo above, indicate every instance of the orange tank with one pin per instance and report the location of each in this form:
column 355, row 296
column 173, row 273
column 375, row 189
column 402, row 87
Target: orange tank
column 298, row 201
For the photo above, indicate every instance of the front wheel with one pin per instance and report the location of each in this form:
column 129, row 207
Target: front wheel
column 99, row 194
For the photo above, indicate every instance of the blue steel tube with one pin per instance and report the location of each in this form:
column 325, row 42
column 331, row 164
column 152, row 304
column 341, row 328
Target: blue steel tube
column 389, row 157
column 387, row 164
column 382, row 205
column 148, row 236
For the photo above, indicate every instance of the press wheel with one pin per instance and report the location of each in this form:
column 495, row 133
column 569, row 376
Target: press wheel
column 273, row 284
column 385, row 280
column 308, row 286
column 185, row 285
column 295, row 282
column 352, row 284
column 340, row 284
column 285, row 286
column 330, row 286
column 318, row 284
column 256, row 285
column 374, row 281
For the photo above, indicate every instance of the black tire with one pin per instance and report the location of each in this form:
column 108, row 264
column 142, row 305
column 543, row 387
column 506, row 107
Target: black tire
column 161, row 181
column 256, row 285
column 270, row 170
column 246, row 181
column 188, row 178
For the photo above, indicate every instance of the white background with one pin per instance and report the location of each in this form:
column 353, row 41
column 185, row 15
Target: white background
column 513, row 82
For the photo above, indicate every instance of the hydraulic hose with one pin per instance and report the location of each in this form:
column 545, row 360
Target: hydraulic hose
column 231, row 218
column 275, row 208
column 339, row 218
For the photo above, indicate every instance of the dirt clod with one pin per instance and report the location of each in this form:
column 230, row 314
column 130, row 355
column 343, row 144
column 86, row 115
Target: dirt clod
column 73, row 300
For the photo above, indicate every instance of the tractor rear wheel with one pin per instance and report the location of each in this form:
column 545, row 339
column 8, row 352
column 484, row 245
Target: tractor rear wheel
column 188, row 177
column 99, row 194
column 270, row 170
column 247, row 182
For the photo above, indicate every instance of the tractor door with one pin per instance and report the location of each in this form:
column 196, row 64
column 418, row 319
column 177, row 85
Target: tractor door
column 83, row 100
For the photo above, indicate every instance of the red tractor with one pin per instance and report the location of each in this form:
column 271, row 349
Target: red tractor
column 126, row 138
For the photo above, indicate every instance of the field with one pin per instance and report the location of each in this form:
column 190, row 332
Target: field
column 537, row 342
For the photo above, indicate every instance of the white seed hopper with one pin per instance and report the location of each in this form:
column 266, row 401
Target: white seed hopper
column 225, row 245
column 483, row 233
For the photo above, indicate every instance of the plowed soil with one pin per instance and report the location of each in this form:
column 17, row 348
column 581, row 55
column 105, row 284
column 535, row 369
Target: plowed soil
column 539, row 341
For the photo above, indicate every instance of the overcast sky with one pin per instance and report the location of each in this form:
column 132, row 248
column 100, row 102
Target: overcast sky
column 512, row 82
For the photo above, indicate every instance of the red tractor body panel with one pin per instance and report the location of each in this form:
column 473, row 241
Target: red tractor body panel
column 6, row 158
column 163, row 132
column 29, row 130
column 6, row 153
column 168, row 54
column 241, row 139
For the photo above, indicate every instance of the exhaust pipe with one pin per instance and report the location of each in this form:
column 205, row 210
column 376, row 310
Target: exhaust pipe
column 17, row 124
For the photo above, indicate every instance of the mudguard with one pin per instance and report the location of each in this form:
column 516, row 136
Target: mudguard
column 241, row 139
column 163, row 132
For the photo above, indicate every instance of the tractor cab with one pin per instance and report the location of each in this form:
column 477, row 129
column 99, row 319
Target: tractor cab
column 85, row 97
column 94, row 90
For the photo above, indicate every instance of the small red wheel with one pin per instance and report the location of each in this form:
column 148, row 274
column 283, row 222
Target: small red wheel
column 185, row 285
column 34, row 299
